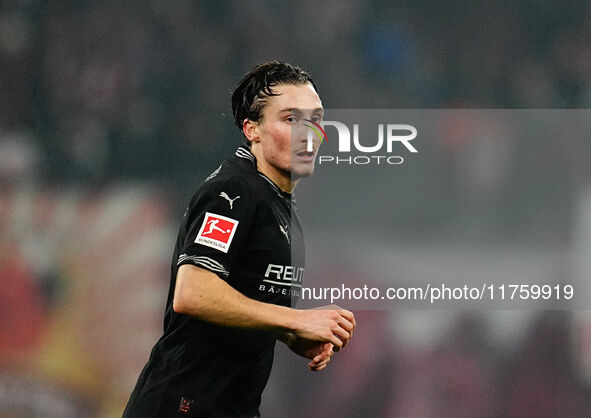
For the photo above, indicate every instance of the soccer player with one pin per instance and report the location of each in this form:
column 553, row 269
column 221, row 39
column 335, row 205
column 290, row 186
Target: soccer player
column 238, row 262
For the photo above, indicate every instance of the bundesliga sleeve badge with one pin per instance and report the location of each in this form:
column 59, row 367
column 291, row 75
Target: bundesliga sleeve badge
column 217, row 232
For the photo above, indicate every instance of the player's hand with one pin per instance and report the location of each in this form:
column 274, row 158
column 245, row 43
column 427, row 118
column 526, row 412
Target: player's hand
column 326, row 325
column 319, row 352
column 338, row 308
column 320, row 360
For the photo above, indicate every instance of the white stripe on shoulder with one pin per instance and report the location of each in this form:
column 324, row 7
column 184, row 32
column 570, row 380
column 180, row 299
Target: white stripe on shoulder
column 215, row 173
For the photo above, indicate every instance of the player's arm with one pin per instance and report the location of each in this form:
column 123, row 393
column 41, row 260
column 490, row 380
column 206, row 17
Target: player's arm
column 202, row 294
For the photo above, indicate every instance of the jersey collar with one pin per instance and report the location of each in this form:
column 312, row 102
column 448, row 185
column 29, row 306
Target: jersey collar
column 244, row 152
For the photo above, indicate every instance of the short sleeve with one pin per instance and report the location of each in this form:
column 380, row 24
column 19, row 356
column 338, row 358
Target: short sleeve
column 217, row 224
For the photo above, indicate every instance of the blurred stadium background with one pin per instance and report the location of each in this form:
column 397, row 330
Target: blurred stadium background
column 112, row 112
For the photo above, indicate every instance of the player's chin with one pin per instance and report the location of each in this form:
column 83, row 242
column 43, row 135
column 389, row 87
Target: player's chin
column 302, row 170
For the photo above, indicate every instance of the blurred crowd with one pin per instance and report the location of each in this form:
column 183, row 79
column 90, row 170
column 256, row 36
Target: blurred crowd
column 101, row 91
column 458, row 371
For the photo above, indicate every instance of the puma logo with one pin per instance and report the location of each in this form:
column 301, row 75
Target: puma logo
column 284, row 231
column 230, row 201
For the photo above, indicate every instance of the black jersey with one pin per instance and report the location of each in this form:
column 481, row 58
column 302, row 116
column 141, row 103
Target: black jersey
column 243, row 228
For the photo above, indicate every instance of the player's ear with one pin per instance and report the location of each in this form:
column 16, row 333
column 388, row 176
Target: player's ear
column 251, row 131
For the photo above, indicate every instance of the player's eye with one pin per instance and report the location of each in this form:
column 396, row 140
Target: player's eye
column 291, row 119
column 317, row 118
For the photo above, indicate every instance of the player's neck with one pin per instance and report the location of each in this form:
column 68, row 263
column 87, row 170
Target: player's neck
column 281, row 179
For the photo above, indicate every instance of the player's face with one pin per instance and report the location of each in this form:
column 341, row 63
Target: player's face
column 281, row 140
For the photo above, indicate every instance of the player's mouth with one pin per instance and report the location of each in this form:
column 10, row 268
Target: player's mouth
column 305, row 155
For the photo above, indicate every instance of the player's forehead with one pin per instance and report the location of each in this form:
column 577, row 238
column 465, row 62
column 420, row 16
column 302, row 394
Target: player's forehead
column 293, row 96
